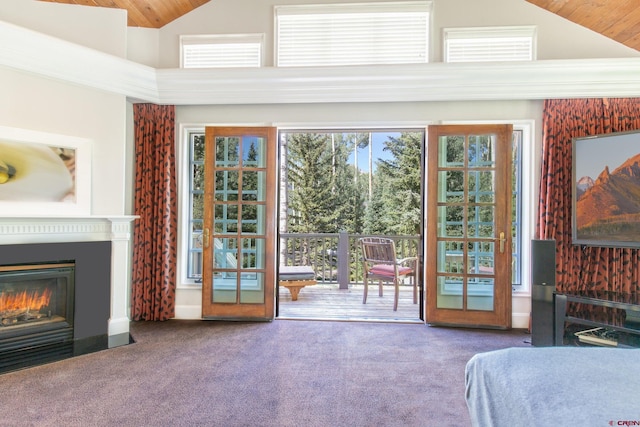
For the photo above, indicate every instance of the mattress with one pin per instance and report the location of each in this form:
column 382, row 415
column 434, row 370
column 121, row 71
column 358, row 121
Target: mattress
column 554, row 386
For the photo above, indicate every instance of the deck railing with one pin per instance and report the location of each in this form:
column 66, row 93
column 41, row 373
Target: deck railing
column 335, row 257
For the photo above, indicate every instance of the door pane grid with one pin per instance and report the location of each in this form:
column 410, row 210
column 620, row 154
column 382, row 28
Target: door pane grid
column 466, row 173
column 239, row 209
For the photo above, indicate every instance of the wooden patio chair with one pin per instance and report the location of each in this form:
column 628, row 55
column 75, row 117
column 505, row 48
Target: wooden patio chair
column 380, row 263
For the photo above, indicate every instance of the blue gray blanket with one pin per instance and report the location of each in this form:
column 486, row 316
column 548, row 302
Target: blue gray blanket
column 554, row 386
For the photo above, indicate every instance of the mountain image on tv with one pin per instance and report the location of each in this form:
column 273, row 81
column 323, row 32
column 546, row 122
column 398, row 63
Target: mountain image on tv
column 609, row 206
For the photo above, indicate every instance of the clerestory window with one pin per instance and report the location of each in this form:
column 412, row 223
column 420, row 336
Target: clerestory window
column 484, row 44
column 352, row 34
column 221, row 50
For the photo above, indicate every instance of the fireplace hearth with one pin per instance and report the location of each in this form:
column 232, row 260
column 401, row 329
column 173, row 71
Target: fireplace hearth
column 54, row 301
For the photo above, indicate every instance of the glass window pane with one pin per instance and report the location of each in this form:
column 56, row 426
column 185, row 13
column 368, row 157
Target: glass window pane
column 253, row 186
column 197, row 206
column 226, row 185
column 232, row 219
column 450, row 257
column 253, row 253
column 452, row 217
column 481, row 187
column 480, row 221
column 197, row 148
column 254, row 152
column 197, row 177
column 195, row 265
column 480, row 294
column 252, row 288
column 453, row 147
column 225, row 253
column 225, row 219
column 452, row 182
column 225, row 287
column 481, row 151
column 253, row 219
column 480, row 258
column 449, row 292
column 227, row 151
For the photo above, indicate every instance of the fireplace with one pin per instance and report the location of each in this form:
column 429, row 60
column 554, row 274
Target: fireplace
column 36, row 313
column 54, row 301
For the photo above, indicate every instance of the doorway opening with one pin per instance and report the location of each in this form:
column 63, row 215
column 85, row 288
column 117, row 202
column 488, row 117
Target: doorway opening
column 335, row 188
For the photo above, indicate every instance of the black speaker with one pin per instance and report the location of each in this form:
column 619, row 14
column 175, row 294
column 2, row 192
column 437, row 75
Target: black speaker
column 543, row 285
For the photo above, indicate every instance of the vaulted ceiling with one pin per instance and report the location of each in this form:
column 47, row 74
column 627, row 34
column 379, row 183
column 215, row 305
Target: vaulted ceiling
column 144, row 13
column 616, row 19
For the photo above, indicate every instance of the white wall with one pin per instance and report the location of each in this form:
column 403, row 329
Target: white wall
column 104, row 29
column 557, row 37
column 36, row 103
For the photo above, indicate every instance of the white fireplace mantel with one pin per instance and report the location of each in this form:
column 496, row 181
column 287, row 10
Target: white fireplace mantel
column 117, row 229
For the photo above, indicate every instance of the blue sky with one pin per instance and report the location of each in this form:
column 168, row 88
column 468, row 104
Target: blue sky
column 378, row 139
column 593, row 154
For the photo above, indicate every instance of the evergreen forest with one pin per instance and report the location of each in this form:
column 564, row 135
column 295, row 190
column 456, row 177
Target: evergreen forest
column 328, row 193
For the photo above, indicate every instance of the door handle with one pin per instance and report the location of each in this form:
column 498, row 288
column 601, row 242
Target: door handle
column 205, row 237
column 502, row 241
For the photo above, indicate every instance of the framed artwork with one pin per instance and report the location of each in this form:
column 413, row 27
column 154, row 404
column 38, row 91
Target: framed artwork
column 43, row 174
column 606, row 190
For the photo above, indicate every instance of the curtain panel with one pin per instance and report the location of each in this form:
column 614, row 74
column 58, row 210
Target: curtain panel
column 155, row 233
column 582, row 268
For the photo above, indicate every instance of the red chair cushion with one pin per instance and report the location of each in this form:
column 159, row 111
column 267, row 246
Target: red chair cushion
column 388, row 271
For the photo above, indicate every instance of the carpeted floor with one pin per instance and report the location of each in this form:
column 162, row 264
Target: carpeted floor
column 282, row 373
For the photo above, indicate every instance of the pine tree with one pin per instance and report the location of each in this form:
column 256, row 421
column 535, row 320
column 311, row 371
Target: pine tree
column 311, row 180
column 402, row 175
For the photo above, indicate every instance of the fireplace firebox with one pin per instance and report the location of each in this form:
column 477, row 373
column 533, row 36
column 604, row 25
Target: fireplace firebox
column 54, row 301
column 36, row 313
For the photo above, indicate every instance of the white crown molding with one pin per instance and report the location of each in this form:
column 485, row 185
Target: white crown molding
column 403, row 83
column 33, row 52
column 30, row 51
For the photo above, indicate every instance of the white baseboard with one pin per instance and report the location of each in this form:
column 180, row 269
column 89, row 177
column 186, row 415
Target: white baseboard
column 520, row 320
column 118, row 326
column 188, row 312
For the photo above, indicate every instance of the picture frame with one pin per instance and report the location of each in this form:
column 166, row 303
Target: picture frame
column 44, row 174
column 606, row 190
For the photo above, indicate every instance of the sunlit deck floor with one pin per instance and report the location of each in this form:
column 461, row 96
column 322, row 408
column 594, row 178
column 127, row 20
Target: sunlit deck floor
column 326, row 301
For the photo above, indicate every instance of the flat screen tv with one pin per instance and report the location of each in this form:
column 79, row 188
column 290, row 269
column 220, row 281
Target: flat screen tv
column 606, row 190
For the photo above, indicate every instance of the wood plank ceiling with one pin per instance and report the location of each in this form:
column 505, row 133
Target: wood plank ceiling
column 617, row 19
column 144, row 13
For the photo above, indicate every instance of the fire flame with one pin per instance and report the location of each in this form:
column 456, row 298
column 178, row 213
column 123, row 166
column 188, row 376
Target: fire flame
column 28, row 300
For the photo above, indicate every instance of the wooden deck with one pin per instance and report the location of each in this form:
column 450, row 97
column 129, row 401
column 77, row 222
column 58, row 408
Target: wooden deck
column 327, row 302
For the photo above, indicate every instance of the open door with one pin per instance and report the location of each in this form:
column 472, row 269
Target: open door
column 468, row 251
column 239, row 232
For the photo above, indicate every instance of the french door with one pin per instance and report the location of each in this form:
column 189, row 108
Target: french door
column 239, row 231
column 468, row 253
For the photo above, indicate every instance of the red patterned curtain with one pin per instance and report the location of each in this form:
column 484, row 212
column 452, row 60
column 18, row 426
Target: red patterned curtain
column 155, row 237
column 581, row 268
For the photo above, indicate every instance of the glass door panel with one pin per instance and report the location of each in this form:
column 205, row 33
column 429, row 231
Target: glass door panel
column 239, row 219
column 468, row 220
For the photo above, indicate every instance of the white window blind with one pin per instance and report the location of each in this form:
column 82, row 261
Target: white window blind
column 352, row 34
column 489, row 44
column 221, row 51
